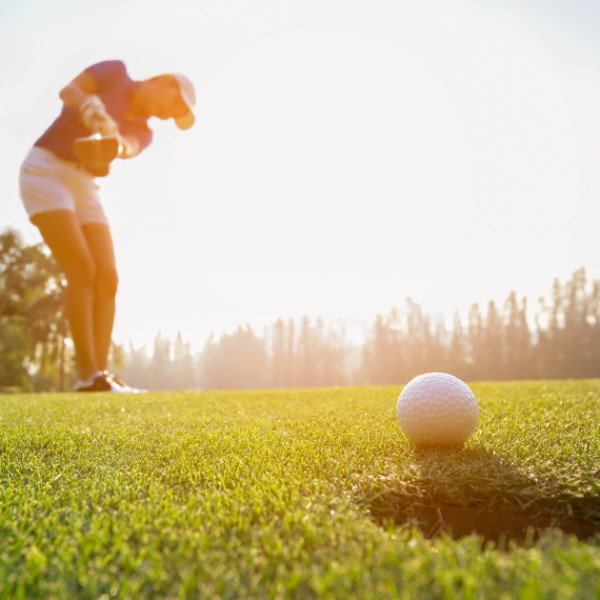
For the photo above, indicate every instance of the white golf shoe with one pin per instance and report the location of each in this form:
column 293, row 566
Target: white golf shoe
column 104, row 381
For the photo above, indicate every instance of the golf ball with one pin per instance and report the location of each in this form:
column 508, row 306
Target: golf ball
column 437, row 409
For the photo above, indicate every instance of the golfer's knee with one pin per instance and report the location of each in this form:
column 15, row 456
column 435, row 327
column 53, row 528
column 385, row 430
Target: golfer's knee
column 107, row 282
column 82, row 275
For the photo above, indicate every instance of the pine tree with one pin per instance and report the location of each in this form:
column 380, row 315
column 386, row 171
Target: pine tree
column 137, row 367
column 493, row 346
column 160, row 364
column 457, row 351
column 517, row 339
column 184, row 375
column 238, row 361
column 278, row 373
column 476, row 343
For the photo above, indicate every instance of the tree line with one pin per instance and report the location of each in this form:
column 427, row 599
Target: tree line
column 559, row 339
column 288, row 354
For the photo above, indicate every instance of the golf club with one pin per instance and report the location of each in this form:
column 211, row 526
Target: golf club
column 96, row 152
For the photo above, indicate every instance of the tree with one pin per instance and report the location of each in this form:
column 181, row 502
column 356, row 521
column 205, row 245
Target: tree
column 593, row 319
column 492, row 357
column 237, row 361
column 137, row 366
column 332, row 358
column 456, row 358
column 517, row 338
column 13, row 355
column 307, row 365
column 33, row 352
column 383, row 358
column 278, row 375
column 578, row 328
column 184, row 375
column 555, row 358
column 476, row 341
column 291, row 366
column 160, row 364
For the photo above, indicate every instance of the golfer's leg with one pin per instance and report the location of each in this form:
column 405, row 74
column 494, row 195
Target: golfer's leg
column 63, row 235
column 100, row 243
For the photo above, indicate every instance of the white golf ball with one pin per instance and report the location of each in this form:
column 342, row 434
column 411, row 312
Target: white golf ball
column 437, row 409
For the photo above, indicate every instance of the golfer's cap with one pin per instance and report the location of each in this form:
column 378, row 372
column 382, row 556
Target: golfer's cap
column 188, row 95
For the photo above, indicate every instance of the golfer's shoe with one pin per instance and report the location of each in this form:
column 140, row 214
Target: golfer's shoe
column 99, row 383
column 116, row 380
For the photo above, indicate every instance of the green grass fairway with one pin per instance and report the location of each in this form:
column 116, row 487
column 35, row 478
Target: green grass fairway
column 298, row 494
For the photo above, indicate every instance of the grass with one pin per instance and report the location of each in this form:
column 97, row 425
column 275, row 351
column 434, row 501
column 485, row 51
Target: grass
column 297, row 494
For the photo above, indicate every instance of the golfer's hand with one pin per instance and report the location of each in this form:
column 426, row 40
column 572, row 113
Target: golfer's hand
column 129, row 146
column 92, row 113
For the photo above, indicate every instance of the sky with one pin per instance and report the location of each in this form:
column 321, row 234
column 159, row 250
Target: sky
column 348, row 154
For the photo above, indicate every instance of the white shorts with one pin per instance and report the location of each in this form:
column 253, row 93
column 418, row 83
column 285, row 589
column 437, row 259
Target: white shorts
column 49, row 183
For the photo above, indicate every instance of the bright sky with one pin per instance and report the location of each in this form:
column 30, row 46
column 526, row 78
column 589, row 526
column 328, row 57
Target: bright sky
column 348, row 153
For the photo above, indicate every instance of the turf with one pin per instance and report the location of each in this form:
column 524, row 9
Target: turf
column 298, row 494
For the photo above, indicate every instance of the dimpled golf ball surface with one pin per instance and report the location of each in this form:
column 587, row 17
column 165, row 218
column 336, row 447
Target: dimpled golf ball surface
column 437, row 409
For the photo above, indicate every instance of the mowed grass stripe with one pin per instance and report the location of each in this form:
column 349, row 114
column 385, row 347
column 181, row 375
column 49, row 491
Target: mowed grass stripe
column 281, row 494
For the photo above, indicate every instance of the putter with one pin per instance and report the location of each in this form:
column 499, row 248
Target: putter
column 96, row 152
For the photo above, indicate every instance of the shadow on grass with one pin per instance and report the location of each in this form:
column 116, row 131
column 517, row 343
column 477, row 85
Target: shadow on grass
column 472, row 491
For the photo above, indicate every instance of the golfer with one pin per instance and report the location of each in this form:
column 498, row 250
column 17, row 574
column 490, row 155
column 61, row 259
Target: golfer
column 60, row 191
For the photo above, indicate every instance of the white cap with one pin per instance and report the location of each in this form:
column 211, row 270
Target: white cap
column 188, row 95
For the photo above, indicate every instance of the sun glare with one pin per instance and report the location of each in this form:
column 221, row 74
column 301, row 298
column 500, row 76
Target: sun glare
column 342, row 161
column 334, row 170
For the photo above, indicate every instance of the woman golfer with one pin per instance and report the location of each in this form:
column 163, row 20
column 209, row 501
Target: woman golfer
column 61, row 195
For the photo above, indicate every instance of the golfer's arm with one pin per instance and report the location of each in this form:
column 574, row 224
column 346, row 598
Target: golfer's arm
column 77, row 91
column 74, row 93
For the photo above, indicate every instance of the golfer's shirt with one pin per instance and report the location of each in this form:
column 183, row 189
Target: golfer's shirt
column 115, row 88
